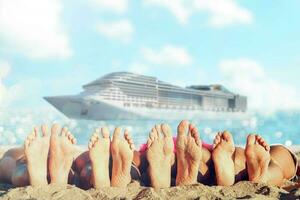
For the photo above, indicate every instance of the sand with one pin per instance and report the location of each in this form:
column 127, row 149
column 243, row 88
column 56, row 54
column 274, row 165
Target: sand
column 241, row 190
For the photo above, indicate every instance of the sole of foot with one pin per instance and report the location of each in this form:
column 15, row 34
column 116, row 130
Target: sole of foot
column 257, row 154
column 160, row 156
column 36, row 149
column 189, row 153
column 61, row 155
column 99, row 152
column 122, row 155
column 222, row 156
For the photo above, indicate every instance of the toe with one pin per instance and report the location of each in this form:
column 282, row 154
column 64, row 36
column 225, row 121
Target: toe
column 127, row 135
column 250, row 139
column 98, row 130
column 105, row 132
column 149, row 142
column 35, row 132
column 217, row 138
column 194, row 132
column 220, row 135
column 158, row 130
column 182, row 128
column 191, row 127
column 129, row 140
column 94, row 137
column 70, row 135
column 26, row 143
column 166, row 130
column 262, row 142
column 189, row 131
column 44, row 130
column 31, row 136
column 155, row 133
column 265, row 145
column 73, row 140
column 227, row 137
column 258, row 138
column 116, row 135
column 195, row 135
column 64, row 131
column 96, row 134
column 152, row 135
column 90, row 145
column 54, row 130
column 215, row 141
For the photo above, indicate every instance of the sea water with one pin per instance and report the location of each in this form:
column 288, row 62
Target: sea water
column 280, row 127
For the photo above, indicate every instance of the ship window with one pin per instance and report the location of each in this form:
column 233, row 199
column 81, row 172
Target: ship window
column 126, row 104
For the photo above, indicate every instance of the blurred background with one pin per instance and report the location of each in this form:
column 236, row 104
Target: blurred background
column 53, row 47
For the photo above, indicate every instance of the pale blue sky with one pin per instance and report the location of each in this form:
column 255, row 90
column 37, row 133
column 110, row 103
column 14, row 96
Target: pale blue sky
column 54, row 47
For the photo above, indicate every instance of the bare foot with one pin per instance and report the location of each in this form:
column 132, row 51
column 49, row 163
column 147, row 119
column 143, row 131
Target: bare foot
column 189, row 153
column 257, row 154
column 222, row 156
column 99, row 150
column 122, row 155
column 36, row 151
column 61, row 155
column 160, row 156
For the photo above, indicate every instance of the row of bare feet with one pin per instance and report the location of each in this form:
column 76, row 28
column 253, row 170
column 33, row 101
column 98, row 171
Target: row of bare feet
column 161, row 157
column 54, row 153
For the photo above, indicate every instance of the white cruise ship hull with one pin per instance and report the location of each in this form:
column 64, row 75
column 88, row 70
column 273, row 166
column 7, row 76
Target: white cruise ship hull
column 79, row 108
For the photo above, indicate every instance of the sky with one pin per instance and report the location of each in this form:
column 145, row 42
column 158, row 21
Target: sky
column 53, row 47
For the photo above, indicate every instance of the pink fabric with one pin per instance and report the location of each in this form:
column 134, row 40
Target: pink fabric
column 143, row 147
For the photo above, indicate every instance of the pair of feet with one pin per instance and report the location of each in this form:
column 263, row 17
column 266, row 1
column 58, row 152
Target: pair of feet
column 160, row 155
column 120, row 149
column 257, row 154
column 51, row 153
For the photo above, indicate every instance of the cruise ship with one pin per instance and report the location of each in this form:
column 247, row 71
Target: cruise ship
column 126, row 96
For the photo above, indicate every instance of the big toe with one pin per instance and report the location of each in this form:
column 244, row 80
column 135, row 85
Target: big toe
column 251, row 139
column 182, row 128
column 55, row 130
column 116, row 135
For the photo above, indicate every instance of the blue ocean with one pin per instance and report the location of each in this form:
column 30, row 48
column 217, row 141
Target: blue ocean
column 281, row 127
